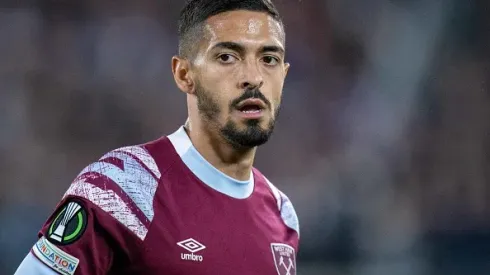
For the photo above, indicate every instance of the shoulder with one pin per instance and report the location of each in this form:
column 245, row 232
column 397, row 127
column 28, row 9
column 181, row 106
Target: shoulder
column 130, row 167
column 285, row 206
column 121, row 183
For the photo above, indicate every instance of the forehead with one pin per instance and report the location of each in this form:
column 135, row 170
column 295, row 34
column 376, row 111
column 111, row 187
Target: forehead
column 242, row 26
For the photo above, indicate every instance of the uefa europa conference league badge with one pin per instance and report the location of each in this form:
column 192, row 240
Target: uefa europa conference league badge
column 69, row 224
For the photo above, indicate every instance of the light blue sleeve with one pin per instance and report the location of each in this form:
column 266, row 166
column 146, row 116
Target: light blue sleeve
column 32, row 266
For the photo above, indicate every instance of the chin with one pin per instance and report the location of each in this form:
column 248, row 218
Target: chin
column 247, row 134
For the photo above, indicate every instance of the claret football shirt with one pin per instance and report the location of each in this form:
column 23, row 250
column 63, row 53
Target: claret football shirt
column 161, row 208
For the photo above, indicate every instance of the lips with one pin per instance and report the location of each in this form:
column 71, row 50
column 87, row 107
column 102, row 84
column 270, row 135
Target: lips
column 252, row 105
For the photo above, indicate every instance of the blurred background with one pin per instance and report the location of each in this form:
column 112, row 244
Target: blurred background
column 382, row 144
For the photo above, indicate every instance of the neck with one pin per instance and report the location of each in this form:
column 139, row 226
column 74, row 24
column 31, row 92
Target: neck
column 223, row 156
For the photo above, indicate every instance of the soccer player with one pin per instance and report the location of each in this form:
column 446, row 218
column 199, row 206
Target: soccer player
column 190, row 202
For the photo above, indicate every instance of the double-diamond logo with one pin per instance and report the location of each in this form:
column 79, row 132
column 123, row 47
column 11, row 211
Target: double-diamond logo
column 192, row 246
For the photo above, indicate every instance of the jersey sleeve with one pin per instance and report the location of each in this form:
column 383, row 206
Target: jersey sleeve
column 288, row 213
column 286, row 208
column 103, row 218
column 32, row 266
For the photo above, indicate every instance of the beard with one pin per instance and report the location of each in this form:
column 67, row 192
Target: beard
column 253, row 135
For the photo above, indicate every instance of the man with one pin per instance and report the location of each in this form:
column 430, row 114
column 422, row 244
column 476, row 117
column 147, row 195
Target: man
column 190, row 202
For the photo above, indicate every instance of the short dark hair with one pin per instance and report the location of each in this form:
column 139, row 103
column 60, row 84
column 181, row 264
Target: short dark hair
column 196, row 12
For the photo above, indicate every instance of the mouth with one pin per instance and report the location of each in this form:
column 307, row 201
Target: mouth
column 251, row 108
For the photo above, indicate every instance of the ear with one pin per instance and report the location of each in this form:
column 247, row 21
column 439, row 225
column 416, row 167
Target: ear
column 181, row 69
column 286, row 69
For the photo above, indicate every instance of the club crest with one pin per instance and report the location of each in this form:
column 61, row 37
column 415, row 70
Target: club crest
column 284, row 258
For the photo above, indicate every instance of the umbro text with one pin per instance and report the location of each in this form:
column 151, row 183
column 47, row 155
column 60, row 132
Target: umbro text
column 191, row 257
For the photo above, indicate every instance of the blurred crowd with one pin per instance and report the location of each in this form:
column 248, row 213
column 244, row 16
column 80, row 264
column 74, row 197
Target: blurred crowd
column 382, row 142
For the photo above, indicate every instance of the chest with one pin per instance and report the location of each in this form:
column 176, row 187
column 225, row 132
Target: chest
column 206, row 234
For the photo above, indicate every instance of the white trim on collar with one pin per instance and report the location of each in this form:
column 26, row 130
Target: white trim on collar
column 206, row 172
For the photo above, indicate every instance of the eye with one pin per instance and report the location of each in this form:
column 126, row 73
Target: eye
column 227, row 58
column 270, row 60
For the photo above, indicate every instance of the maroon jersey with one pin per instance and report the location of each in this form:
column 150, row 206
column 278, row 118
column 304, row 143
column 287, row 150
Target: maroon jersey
column 161, row 208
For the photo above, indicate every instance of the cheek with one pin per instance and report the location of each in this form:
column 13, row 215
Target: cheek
column 220, row 78
column 215, row 85
column 223, row 91
column 221, row 97
column 275, row 89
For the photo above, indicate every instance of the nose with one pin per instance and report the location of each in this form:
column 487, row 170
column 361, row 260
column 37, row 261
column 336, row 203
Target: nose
column 252, row 77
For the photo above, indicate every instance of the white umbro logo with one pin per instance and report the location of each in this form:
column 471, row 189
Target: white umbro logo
column 192, row 246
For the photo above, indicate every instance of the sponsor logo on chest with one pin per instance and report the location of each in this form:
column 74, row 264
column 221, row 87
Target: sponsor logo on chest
column 192, row 246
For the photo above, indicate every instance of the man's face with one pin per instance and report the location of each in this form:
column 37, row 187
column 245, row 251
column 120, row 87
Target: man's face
column 239, row 75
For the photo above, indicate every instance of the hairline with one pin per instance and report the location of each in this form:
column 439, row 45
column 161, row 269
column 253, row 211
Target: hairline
column 196, row 33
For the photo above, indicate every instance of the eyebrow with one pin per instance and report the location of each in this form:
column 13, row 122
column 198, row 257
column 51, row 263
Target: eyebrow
column 274, row 49
column 241, row 49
